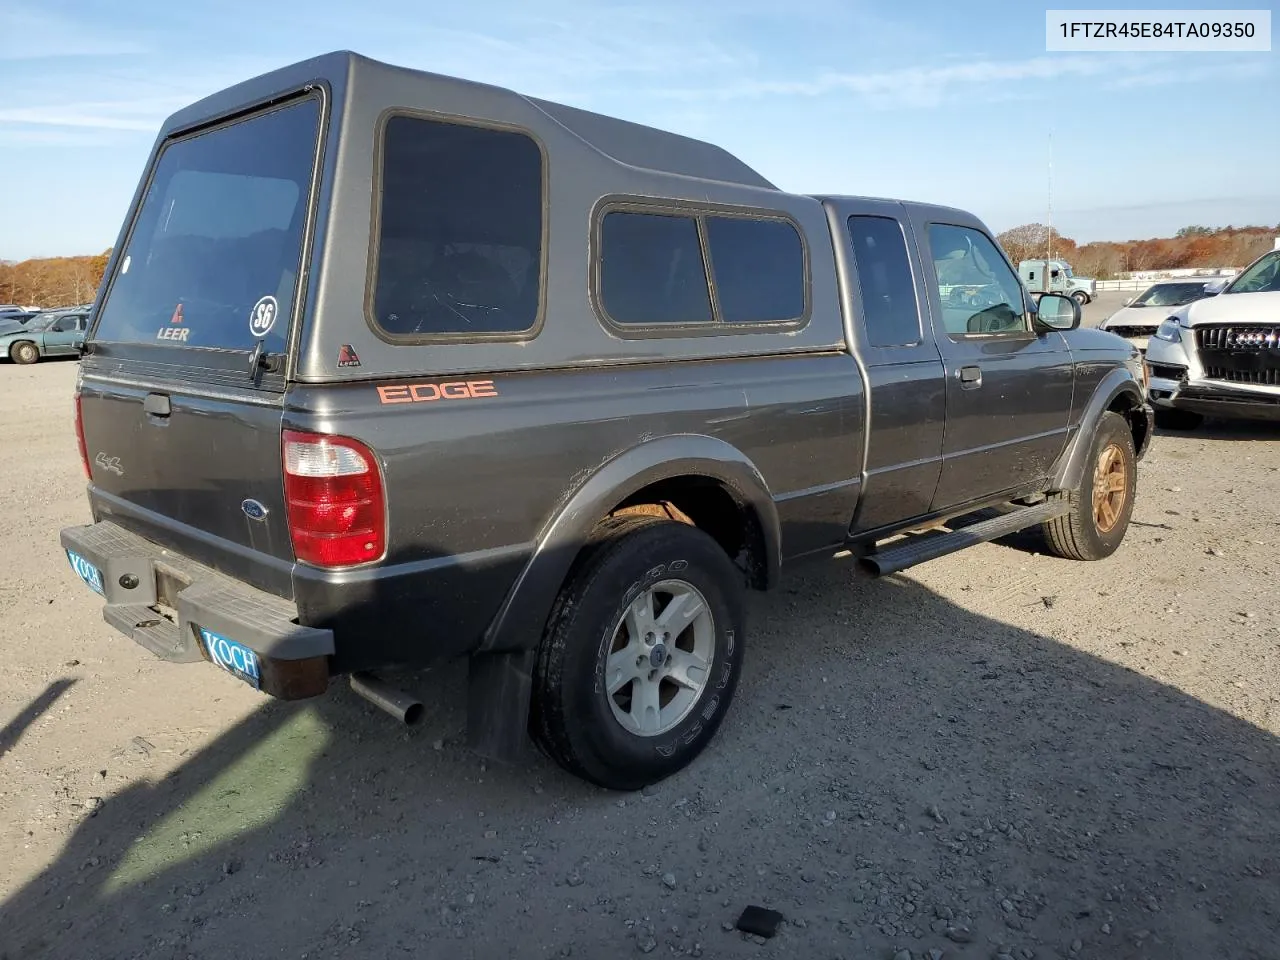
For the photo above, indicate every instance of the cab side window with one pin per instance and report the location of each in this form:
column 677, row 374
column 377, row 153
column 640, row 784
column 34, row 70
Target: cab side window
column 979, row 293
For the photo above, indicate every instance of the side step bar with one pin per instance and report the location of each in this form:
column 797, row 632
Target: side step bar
column 933, row 545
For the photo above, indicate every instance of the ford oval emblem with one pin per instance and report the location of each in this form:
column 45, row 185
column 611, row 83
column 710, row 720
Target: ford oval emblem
column 254, row 510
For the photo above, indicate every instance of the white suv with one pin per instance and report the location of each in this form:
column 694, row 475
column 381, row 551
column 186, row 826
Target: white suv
column 1220, row 357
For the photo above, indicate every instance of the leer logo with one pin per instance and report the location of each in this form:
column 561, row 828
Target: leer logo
column 427, row 392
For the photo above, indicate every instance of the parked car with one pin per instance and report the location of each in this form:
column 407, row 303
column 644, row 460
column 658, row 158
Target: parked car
column 1220, row 356
column 550, row 402
column 1138, row 319
column 1056, row 276
column 47, row 334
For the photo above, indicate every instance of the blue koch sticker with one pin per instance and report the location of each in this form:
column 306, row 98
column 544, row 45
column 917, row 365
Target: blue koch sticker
column 87, row 572
column 235, row 658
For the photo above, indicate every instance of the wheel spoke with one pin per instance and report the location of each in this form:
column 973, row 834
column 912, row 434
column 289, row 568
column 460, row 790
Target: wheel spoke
column 679, row 614
column 1115, row 483
column 621, row 668
column 1108, row 515
column 646, row 708
column 640, row 617
column 687, row 669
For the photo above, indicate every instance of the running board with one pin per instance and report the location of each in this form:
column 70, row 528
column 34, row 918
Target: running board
column 933, row 545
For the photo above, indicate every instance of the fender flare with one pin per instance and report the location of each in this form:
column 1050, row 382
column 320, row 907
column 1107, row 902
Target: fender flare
column 1074, row 459
column 518, row 623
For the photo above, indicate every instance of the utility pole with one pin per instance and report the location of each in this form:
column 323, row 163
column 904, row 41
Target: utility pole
column 1050, row 256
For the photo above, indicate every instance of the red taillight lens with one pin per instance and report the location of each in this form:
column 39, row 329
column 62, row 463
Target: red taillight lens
column 334, row 500
column 84, row 450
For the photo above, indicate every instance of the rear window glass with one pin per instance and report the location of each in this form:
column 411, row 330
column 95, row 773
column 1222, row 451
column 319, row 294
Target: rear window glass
column 460, row 230
column 651, row 269
column 214, row 255
column 759, row 269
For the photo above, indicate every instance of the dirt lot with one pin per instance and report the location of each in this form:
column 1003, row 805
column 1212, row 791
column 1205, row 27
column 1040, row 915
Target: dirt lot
column 997, row 754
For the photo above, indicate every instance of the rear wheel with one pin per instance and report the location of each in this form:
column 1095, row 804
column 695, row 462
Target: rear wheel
column 1176, row 419
column 24, row 351
column 641, row 654
column 1101, row 508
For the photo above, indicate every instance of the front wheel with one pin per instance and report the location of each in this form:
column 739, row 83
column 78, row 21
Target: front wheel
column 1101, row 508
column 641, row 653
column 1080, row 297
column 24, row 352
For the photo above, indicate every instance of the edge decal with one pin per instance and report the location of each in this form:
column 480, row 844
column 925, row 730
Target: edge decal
column 428, row 392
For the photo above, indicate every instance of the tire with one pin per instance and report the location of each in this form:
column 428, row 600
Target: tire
column 1176, row 419
column 1090, row 531
column 1080, row 297
column 24, row 351
column 591, row 732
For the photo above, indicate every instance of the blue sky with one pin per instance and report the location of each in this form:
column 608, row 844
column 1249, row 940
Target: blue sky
column 930, row 101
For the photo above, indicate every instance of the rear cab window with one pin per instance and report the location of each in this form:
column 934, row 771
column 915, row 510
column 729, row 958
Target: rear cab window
column 665, row 271
column 885, row 280
column 212, row 261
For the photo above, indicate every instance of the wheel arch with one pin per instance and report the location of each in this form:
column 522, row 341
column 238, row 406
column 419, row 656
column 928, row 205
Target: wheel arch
column 1118, row 392
column 695, row 474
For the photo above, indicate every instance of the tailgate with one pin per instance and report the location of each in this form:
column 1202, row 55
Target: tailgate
column 199, row 473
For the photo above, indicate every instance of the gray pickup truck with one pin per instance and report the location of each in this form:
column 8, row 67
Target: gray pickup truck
column 390, row 367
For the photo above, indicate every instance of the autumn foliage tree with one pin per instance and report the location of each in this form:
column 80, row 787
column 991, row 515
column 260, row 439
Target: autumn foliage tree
column 52, row 282
column 1194, row 246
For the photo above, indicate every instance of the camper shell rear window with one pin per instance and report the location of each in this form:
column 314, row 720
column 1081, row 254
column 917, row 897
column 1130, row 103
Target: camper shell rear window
column 214, row 254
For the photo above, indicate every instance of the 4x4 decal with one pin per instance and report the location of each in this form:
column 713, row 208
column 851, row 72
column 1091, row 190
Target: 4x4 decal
column 428, row 392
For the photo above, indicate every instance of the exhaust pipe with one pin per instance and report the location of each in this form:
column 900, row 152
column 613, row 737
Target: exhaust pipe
column 399, row 704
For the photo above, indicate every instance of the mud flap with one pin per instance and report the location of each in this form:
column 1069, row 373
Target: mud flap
column 499, row 693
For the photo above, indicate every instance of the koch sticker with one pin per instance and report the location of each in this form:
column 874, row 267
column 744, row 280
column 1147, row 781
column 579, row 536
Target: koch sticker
column 263, row 316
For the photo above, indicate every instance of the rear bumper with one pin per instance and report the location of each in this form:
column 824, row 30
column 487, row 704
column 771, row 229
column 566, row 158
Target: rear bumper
column 166, row 602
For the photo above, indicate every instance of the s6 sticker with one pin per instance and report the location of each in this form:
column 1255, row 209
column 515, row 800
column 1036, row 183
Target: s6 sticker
column 263, row 316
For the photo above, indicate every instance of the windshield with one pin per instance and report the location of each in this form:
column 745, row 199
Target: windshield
column 41, row 322
column 213, row 257
column 1262, row 277
column 1170, row 295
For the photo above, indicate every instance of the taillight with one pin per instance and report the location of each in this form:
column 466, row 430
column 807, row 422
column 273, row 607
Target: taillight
column 333, row 499
column 84, row 450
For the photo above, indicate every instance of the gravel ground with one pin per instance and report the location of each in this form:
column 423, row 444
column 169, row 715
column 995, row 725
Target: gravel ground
column 997, row 754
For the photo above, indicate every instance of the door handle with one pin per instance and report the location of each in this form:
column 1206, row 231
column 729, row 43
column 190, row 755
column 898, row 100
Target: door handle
column 970, row 377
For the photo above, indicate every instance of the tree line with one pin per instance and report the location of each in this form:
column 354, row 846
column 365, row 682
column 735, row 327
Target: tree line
column 67, row 281
column 52, row 281
column 1194, row 246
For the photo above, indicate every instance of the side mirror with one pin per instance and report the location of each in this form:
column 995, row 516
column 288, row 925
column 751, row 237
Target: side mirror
column 1058, row 312
column 1214, row 287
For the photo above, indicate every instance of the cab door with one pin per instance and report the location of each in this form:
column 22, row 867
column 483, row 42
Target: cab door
column 885, row 303
column 1009, row 388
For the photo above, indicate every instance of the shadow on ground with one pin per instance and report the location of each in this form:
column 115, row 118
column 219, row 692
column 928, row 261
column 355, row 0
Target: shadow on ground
column 1227, row 430
column 896, row 773
column 12, row 731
